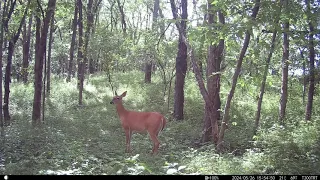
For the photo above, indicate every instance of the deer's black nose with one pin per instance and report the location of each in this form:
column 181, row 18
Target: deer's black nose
column 111, row 102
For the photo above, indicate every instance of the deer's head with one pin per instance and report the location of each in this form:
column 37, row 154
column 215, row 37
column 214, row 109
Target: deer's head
column 118, row 99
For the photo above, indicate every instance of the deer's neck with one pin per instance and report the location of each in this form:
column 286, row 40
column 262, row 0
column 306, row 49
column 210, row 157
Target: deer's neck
column 121, row 110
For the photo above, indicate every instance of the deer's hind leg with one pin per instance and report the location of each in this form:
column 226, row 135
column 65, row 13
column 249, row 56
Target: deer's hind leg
column 156, row 143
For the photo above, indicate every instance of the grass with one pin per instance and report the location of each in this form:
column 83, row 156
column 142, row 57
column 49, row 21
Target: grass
column 89, row 139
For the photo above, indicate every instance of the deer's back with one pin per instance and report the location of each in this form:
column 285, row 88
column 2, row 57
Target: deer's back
column 141, row 121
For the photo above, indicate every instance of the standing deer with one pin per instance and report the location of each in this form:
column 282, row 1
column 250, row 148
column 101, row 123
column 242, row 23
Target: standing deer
column 134, row 121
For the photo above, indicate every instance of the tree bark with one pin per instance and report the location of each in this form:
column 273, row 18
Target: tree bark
column 7, row 80
column 181, row 63
column 73, row 41
column 26, row 51
column 311, row 64
column 41, row 40
column 88, row 32
column 148, row 71
column 80, row 54
column 285, row 68
column 3, row 15
column 225, row 119
column 48, row 71
column 215, row 54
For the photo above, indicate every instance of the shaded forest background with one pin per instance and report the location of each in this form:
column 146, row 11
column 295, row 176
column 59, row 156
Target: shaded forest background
column 237, row 80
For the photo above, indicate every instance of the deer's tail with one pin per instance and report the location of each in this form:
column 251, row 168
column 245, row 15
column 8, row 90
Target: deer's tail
column 164, row 122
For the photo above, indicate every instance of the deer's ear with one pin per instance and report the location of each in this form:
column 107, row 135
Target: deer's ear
column 124, row 94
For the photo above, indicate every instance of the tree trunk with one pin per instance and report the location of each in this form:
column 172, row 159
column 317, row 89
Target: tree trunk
column 80, row 53
column 41, row 40
column 266, row 69
column 26, row 50
column 38, row 64
column 44, row 84
column 88, row 32
column 96, row 10
column 73, row 41
column 225, row 119
column 7, row 80
column 304, row 78
column 123, row 21
column 148, row 65
column 311, row 64
column 196, row 69
column 285, row 68
column 148, row 71
column 181, row 66
column 1, row 45
column 49, row 55
column 264, row 78
column 91, row 66
column 215, row 54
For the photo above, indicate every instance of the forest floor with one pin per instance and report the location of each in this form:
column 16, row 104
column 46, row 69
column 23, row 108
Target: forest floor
column 89, row 139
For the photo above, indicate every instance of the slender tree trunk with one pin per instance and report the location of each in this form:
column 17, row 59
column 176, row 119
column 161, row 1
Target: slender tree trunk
column 7, row 80
column 73, row 41
column 266, row 69
column 148, row 65
column 96, row 10
column 26, row 50
column 80, row 53
column 215, row 55
column 148, row 71
column 38, row 67
column 123, row 21
column 201, row 49
column 311, row 65
column 181, row 66
column 49, row 55
column 44, row 85
column 225, row 119
column 285, row 68
column 208, row 103
column 264, row 78
column 1, row 45
column 111, row 16
column 94, row 19
column 88, row 32
column 304, row 77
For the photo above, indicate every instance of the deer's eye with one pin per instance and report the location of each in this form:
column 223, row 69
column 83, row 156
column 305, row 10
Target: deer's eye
column 117, row 98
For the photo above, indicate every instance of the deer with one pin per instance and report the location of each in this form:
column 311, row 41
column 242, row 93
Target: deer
column 141, row 122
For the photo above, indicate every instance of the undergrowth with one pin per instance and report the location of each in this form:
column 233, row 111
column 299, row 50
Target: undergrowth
column 89, row 139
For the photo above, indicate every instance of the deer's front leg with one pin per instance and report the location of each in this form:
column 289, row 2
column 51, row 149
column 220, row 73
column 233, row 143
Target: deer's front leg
column 128, row 139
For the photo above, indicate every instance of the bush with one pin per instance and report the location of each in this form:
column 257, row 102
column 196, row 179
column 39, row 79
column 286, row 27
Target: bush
column 291, row 149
